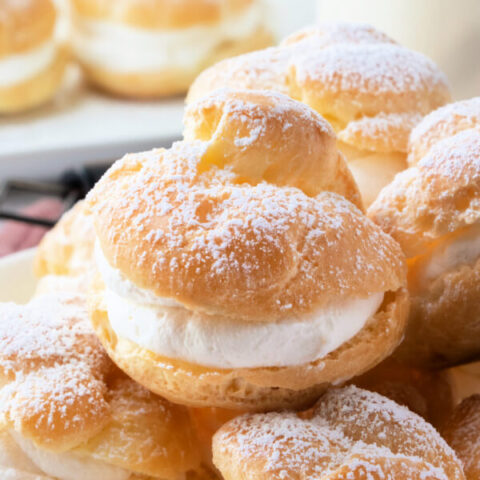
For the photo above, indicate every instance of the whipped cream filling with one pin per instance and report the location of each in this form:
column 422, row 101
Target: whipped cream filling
column 125, row 49
column 463, row 249
column 21, row 67
column 166, row 328
column 69, row 465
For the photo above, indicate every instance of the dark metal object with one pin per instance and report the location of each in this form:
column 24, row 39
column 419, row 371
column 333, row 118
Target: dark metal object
column 72, row 186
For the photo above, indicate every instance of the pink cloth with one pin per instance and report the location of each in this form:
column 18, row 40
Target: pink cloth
column 16, row 236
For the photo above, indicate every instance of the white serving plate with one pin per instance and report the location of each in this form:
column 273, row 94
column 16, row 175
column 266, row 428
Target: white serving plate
column 17, row 281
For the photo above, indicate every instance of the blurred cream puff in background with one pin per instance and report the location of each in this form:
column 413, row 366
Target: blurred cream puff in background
column 153, row 48
column 32, row 58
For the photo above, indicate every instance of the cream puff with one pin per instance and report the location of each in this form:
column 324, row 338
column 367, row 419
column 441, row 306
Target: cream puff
column 462, row 432
column 155, row 48
column 370, row 89
column 350, row 434
column 67, row 412
column 433, row 210
column 32, row 62
column 425, row 392
column 220, row 284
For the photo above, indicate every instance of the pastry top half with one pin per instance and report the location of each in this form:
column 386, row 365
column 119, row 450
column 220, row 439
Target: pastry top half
column 439, row 196
column 350, row 434
column 61, row 394
column 25, row 25
column 219, row 241
column 161, row 14
column 370, row 89
column 261, row 136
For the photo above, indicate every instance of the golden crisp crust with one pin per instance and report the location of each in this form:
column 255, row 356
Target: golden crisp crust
column 462, row 432
column 25, row 25
column 59, row 389
column 67, row 249
column 427, row 393
column 254, row 389
column 351, row 434
column 442, row 123
column 438, row 196
column 35, row 91
column 347, row 81
column 259, row 253
column 384, row 133
column 444, row 323
column 371, row 90
column 243, row 129
column 52, row 372
column 161, row 14
column 140, row 423
column 170, row 81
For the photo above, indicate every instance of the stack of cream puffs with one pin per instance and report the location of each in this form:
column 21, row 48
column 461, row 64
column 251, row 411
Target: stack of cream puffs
column 32, row 59
column 371, row 90
column 220, row 283
column 237, row 275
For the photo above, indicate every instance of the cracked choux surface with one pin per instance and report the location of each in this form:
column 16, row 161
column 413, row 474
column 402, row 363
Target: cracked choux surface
column 244, row 130
column 350, row 434
column 61, row 393
column 372, row 90
column 202, row 226
column 432, row 210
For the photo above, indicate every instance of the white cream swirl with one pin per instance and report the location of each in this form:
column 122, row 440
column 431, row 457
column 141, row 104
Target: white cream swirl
column 125, row 49
column 166, row 328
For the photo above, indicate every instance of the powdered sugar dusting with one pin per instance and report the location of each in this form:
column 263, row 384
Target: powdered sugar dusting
column 381, row 133
column 329, row 33
column 371, row 68
column 439, row 195
column 51, row 368
column 350, row 430
column 199, row 232
column 251, row 112
column 442, row 123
